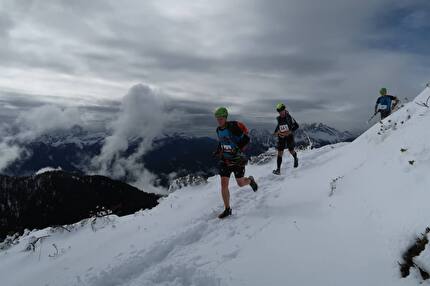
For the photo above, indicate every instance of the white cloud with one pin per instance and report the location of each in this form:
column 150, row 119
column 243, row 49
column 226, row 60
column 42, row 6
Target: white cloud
column 143, row 116
column 8, row 154
column 45, row 119
column 31, row 124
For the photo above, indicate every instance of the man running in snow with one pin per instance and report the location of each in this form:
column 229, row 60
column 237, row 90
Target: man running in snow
column 285, row 132
column 232, row 137
column 385, row 103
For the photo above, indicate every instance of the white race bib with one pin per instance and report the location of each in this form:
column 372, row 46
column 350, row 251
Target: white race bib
column 283, row 128
column 382, row 107
column 227, row 148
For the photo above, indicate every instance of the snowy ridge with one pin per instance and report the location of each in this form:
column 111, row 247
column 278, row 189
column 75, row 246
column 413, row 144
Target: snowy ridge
column 47, row 169
column 76, row 135
column 321, row 132
column 318, row 133
column 344, row 217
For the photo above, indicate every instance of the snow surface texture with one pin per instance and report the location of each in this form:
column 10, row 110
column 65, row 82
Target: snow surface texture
column 47, row 169
column 344, row 217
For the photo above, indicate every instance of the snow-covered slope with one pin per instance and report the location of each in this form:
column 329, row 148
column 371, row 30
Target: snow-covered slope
column 344, row 217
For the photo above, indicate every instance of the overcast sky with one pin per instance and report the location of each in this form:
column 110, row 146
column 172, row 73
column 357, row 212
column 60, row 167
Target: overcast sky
column 325, row 59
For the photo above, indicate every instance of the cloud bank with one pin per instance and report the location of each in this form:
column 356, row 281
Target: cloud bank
column 142, row 117
column 30, row 125
column 246, row 53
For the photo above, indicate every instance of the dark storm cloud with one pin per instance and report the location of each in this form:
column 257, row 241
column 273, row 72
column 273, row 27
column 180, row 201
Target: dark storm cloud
column 20, row 103
column 132, row 50
column 321, row 58
column 194, row 107
column 299, row 64
column 102, row 109
column 294, row 105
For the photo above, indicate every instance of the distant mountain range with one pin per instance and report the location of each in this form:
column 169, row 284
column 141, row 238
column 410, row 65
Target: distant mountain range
column 171, row 157
column 314, row 135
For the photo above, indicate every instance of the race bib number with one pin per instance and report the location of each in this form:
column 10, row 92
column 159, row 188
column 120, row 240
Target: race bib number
column 283, row 128
column 227, row 148
column 382, row 107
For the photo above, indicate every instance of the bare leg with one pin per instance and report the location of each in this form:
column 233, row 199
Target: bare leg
column 293, row 153
column 244, row 181
column 225, row 192
column 296, row 160
column 279, row 159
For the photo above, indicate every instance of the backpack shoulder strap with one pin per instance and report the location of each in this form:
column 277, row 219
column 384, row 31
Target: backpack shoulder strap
column 233, row 127
column 243, row 127
column 239, row 129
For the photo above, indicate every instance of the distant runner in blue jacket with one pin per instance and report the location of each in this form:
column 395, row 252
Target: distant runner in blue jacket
column 385, row 103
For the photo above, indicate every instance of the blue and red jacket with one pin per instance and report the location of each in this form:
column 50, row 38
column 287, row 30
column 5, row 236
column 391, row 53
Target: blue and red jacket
column 233, row 138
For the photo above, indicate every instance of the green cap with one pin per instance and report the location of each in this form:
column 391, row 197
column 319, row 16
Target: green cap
column 280, row 107
column 383, row 91
column 221, row 112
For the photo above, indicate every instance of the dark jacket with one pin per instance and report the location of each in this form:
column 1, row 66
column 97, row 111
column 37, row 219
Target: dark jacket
column 384, row 103
column 287, row 123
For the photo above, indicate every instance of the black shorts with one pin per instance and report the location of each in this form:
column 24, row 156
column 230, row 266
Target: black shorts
column 287, row 141
column 226, row 170
column 385, row 113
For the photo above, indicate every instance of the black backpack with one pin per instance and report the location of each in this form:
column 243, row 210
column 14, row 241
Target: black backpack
column 295, row 124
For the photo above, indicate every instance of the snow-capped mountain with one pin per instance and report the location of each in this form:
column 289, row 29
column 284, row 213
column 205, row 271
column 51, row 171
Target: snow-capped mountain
column 349, row 215
column 172, row 156
column 69, row 150
column 76, row 135
column 315, row 135
column 321, row 134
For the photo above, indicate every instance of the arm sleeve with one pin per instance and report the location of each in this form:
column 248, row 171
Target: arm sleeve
column 218, row 146
column 295, row 125
column 243, row 141
column 290, row 122
column 277, row 126
column 243, row 138
column 376, row 104
column 396, row 100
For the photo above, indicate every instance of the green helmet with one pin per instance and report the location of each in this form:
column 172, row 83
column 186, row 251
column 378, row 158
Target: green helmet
column 221, row 112
column 280, row 107
column 383, row 91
